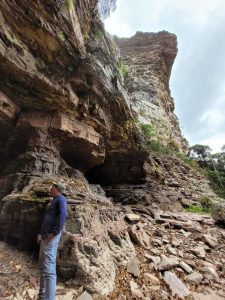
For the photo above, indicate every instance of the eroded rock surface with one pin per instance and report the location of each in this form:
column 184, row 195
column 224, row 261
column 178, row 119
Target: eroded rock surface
column 149, row 58
column 95, row 239
column 203, row 279
column 65, row 115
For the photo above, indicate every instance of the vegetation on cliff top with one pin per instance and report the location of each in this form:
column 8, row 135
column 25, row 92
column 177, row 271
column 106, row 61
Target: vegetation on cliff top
column 199, row 157
column 211, row 165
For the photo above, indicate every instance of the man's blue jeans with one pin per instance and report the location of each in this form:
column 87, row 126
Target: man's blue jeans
column 47, row 266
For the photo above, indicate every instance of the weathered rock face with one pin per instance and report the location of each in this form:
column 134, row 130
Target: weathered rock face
column 95, row 240
column 149, row 58
column 63, row 113
column 63, row 110
column 61, row 93
column 170, row 184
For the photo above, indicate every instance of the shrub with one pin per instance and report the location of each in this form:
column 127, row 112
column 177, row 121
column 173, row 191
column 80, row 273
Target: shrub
column 189, row 161
column 215, row 179
column 99, row 34
column 196, row 209
column 174, row 146
column 157, row 147
column 206, row 203
column 148, row 130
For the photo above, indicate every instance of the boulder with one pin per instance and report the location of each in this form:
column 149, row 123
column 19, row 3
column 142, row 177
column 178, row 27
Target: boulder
column 210, row 241
column 133, row 267
column 198, row 251
column 132, row 217
column 168, row 263
column 195, row 277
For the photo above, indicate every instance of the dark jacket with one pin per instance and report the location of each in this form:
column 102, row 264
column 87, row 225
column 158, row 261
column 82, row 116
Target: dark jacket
column 55, row 216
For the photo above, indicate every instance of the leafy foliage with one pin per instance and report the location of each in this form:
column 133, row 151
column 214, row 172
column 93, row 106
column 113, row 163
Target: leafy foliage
column 201, row 152
column 157, row 147
column 123, row 70
column 99, row 34
column 206, row 203
column 173, row 146
column 213, row 166
column 148, row 130
column 105, row 7
column 204, row 207
column 70, row 4
column 196, row 209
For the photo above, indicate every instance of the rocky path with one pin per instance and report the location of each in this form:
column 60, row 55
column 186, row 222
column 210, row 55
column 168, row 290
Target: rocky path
column 179, row 256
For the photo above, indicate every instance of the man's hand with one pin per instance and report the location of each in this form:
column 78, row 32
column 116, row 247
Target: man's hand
column 50, row 237
column 38, row 238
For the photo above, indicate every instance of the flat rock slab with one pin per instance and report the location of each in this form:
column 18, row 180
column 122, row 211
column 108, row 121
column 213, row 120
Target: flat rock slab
column 209, row 296
column 151, row 278
column 212, row 272
column 85, row 296
column 132, row 217
column 210, row 241
column 195, row 277
column 198, row 251
column 168, row 263
column 135, row 291
column 186, row 267
column 133, row 267
column 177, row 287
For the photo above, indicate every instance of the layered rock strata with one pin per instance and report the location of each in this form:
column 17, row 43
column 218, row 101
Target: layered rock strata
column 64, row 115
column 63, row 110
column 95, row 240
column 170, row 183
column 149, row 58
column 61, row 92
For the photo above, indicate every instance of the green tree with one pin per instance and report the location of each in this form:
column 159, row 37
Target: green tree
column 213, row 165
column 201, row 153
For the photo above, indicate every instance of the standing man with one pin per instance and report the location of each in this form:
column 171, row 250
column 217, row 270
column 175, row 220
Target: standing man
column 51, row 229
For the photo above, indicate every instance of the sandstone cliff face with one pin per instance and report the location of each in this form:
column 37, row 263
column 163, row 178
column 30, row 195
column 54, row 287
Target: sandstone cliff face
column 149, row 59
column 63, row 111
column 61, row 93
column 65, row 115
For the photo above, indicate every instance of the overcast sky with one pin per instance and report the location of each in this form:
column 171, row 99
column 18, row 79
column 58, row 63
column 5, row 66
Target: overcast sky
column 198, row 77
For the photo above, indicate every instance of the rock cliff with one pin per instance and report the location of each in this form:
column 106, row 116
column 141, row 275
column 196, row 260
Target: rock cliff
column 65, row 114
column 61, row 94
column 149, row 58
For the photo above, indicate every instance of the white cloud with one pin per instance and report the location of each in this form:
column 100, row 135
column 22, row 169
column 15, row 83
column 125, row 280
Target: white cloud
column 213, row 118
column 148, row 15
column 215, row 142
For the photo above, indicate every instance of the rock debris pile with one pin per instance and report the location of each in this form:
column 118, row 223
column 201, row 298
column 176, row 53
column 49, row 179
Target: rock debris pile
column 177, row 256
